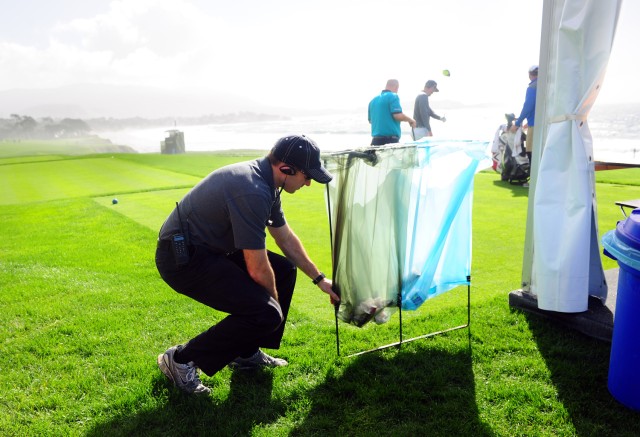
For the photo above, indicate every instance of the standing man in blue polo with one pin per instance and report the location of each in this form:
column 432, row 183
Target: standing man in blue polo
column 529, row 109
column 385, row 115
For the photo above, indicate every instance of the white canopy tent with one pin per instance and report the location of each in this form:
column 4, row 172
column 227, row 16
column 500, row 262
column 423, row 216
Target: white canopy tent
column 562, row 265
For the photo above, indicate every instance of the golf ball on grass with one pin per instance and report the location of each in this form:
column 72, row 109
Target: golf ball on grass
column 114, row 201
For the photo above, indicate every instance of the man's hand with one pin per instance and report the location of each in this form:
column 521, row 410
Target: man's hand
column 326, row 286
column 260, row 270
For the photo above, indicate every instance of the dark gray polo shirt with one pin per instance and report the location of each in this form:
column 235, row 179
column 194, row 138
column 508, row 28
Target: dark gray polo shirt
column 230, row 208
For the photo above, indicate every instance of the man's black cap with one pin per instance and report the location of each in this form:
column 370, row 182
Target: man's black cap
column 302, row 153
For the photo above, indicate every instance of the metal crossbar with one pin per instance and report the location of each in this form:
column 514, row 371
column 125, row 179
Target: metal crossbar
column 401, row 340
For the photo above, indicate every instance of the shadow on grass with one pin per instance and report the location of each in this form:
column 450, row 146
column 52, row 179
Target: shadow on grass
column 426, row 392
column 413, row 392
column 517, row 190
column 182, row 414
column 579, row 368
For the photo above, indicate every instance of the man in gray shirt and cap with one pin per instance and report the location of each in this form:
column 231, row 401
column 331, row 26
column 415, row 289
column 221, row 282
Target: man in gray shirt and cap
column 422, row 112
column 226, row 266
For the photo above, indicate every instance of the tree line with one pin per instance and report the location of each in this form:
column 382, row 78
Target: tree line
column 26, row 127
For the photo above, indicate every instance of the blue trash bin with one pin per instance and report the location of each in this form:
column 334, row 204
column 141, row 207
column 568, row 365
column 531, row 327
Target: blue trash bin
column 623, row 245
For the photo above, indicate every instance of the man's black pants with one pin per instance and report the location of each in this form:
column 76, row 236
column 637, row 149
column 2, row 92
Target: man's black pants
column 221, row 282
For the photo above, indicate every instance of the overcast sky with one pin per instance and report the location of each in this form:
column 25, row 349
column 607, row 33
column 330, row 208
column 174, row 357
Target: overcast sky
column 307, row 54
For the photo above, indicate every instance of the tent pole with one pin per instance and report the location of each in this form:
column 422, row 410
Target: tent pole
column 333, row 273
column 337, row 330
column 400, row 315
column 468, row 300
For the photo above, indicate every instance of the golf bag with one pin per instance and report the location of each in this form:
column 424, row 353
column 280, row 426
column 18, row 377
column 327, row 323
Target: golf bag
column 509, row 155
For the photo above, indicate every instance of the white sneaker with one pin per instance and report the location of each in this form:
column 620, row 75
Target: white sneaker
column 257, row 360
column 183, row 376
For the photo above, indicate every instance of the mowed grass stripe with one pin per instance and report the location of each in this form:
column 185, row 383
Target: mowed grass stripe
column 195, row 163
column 28, row 159
column 149, row 208
column 39, row 181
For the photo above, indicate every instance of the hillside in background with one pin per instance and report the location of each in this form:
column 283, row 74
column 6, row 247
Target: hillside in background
column 88, row 101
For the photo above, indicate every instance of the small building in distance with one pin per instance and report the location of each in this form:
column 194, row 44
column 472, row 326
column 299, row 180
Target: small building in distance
column 173, row 143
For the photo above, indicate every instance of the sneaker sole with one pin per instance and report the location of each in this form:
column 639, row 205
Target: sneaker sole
column 164, row 368
column 237, row 366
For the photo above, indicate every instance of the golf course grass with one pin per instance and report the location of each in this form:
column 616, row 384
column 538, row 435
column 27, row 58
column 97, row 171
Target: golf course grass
column 85, row 313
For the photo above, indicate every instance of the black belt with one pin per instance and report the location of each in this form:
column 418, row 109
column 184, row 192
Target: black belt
column 382, row 140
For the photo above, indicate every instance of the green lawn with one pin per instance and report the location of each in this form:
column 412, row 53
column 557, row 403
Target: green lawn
column 83, row 177
column 84, row 315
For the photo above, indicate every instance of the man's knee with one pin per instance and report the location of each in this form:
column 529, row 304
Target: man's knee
column 270, row 318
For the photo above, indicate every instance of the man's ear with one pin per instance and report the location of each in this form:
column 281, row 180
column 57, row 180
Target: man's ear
column 287, row 170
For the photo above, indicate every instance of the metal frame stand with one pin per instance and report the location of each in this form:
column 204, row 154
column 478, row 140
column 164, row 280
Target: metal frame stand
column 401, row 340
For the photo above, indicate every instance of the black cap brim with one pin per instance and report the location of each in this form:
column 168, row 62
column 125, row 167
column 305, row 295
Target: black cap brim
column 320, row 175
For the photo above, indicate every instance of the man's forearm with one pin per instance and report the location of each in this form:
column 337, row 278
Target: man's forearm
column 295, row 252
column 401, row 116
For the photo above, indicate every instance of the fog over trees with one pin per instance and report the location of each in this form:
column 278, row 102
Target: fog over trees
column 26, row 127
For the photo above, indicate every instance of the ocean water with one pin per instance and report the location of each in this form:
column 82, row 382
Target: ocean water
column 615, row 132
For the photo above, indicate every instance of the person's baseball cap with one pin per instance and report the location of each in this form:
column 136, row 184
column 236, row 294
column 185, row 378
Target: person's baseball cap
column 303, row 153
column 533, row 69
column 432, row 84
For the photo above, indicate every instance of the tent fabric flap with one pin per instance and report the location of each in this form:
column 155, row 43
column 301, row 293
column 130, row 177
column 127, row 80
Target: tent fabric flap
column 400, row 224
column 564, row 273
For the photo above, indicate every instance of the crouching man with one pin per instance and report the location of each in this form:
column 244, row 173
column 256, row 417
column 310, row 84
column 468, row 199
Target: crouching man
column 225, row 265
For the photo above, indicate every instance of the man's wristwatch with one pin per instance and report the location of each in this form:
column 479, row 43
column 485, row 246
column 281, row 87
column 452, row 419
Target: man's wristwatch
column 320, row 277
